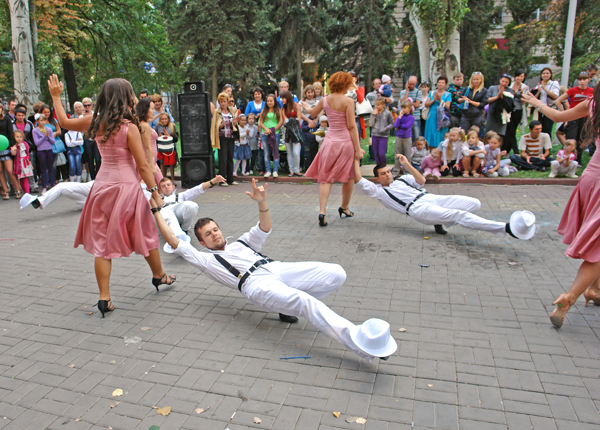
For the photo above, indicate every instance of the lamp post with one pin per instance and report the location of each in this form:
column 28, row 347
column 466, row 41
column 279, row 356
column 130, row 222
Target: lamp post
column 564, row 80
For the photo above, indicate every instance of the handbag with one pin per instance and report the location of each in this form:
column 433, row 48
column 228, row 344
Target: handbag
column 443, row 117
column 425, row 113
column 61, row 160
column 165, row 145
column 364, row 108
column 59, row 146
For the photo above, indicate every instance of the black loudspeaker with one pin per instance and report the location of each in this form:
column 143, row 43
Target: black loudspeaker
column 194, row 87
column 194, row 120
column 195, row 170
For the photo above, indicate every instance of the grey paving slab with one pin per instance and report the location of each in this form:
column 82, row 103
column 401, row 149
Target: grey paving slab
column 478, row 351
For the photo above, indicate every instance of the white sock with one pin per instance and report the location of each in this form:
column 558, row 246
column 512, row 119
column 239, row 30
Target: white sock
column 77, row 178
column 243, row 167
column 71, row 178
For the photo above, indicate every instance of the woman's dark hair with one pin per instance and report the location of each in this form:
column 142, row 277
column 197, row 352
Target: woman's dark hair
column 115, row 103
column 50, row 117
column 521, row 72
column 442, row 78
column 544, row 69
column 19, row 110
column 142, row 108
column 289, row 102
column 259, row 90
column 591, row 129
column 276, row 111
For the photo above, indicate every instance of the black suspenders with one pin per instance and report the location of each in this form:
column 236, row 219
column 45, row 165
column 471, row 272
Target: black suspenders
column 235, row 272
column 400, row 202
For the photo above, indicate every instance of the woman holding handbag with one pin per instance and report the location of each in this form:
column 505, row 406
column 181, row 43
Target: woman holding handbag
column 439, row 97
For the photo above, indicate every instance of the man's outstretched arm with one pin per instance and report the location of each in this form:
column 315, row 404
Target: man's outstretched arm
column 164, row 228
column 259, row 195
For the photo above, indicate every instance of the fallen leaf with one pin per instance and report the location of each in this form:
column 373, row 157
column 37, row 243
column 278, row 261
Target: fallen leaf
column 117, row 393
column 60, row 286
column 85, row 307
column 113, row 361
column 164, row 411
column 154, row 428
column 426, row 238
column 257, row 420
column 336, row 414
column 71, row 366
column 77, row 420
column 357, row 420
column 222, row 371
column 430, row 385
column 402, row 330
column 90, row 313
column 113, row 404
column 145, row 328
column 200, row 410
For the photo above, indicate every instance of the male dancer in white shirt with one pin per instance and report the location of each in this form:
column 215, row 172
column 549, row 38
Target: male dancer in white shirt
column 290, row 289
column 406, row 195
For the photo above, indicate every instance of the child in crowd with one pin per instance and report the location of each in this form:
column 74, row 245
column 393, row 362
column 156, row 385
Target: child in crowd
column 252, row 135
column 419, row 152
column 381, row 122
column 271, row 121
column 43, row 137
column 492, row 166
column 565, row 161
column 22, row 167
column 473, row 153
column 452, row 152
column 431, row 165
column 386, row 89
column 165, row 127
column 403, row 126
column 322, row 130
column 74, row 141
column 476, row 129
column 242, row 153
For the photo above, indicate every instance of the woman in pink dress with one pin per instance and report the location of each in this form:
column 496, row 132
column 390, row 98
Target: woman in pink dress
column 116, row 219
column 580, row 223
column 145, row 112
column 335, row 159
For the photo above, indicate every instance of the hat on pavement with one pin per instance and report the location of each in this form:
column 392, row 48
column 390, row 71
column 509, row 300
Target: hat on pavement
column 322, row 118
column 373, row 337
column 522, row 224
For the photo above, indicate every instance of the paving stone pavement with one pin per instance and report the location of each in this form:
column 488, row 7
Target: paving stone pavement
column 478, row 352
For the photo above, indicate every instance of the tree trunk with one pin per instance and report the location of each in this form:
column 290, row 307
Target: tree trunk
column 423, row 45
column 445, row 60
column 214, row 85
column 69, row 71
column 27, row 87
column 369, row 83
column 299, row 69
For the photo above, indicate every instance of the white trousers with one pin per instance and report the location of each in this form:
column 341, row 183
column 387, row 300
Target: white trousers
column 295, row 289
column 76, row 191
column 557, row 169
column 432, row 209
column 180, row 217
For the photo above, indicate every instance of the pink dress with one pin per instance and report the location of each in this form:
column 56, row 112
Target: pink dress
column 580, row 223
column 335, row 159
column 154, row 137
column 116, row 219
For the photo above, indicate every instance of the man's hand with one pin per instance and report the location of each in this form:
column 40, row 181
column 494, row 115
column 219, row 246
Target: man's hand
column 528, row 158
column 258, row 194
column 55, row 86
column 218, row 179
column 402, row 158
column 444, row 167
column 543, row 157
column 359, row 154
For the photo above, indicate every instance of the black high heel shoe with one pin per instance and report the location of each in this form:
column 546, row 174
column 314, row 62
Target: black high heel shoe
column 343, row 211
column 103, row 306
column 322, row 222
column 159, row 281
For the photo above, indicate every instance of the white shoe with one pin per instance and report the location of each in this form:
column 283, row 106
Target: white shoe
column 275, row 174
column 572, row 176
column 235, row 183
column 552, row 175
column 268, row 174
column 223, row 184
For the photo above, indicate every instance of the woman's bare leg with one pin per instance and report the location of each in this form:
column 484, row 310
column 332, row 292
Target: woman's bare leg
column 155, row 264
column 172, row 167
column 324, row 191
column 587, row 275
column 3, row 179
column 8, row 165
column 347, row 189
column 103, row 268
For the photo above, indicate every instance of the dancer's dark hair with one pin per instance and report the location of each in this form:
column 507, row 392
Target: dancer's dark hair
column 289, row 105
column 377, row 168
column 142, row 108
column 115, row 103
column 201, row 223
column 591, row 129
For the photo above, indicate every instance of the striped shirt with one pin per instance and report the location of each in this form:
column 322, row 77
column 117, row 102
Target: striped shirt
column 535, row 147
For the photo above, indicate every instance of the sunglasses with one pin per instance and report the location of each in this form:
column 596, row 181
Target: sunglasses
column 476, row 73
column 507, row 76
column 87, row 105
column 231, row 101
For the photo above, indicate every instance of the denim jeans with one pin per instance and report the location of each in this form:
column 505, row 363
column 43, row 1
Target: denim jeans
column 46, row 159
column 268, row 151
column 416, row 130
column 293, row 156
column 74, row 155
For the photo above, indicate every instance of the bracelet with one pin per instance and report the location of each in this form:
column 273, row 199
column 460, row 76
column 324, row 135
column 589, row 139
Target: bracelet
column 154, row 188
column 266, row 210
column 156, row 209
column 211, row 184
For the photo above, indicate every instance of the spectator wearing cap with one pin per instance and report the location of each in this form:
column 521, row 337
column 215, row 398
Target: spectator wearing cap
column 498, row 115
column 592, row 70
column 581, row 93
column 411, row 91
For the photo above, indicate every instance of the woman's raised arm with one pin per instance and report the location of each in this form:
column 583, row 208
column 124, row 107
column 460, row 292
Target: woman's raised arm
column 76, row 124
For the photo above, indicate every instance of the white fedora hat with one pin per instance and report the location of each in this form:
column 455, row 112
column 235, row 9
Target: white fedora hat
column 26, row 200
column 373, row 337
column 522, row 224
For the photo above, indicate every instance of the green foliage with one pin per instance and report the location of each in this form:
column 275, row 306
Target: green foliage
column 361, row 37
column 225, row 38
column 440, row 17
column 474, row 32
column 6, row 69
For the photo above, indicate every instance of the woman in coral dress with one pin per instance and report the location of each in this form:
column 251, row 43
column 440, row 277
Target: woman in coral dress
column 580, row 223
column 145, row 112
column 335, row 159
column 116, row 219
